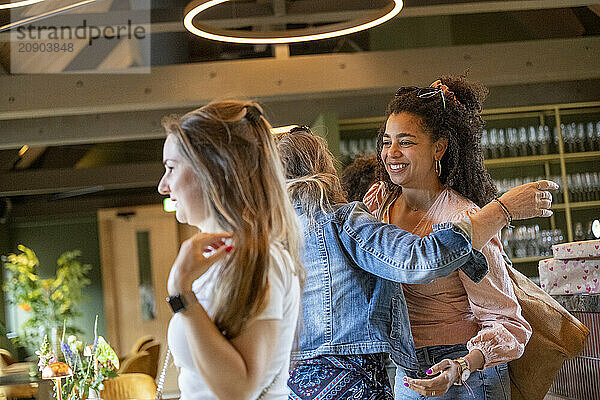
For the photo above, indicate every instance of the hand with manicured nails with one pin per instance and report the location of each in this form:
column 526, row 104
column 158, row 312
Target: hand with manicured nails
column 448, row 371
column 529, row 200
column 195, row 257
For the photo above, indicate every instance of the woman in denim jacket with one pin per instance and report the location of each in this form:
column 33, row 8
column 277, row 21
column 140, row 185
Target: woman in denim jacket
column 353, row 310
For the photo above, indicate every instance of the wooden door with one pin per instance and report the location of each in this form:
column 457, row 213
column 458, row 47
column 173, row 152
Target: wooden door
column 138, row 246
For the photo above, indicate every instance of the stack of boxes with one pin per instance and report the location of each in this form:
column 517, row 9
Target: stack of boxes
column 574, row 269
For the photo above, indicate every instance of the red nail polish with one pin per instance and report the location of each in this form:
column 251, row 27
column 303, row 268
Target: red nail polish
column 405, row 384
column 429, row 371
column 229, row 249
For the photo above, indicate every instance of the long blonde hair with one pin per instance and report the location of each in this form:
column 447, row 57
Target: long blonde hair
column 229, row 146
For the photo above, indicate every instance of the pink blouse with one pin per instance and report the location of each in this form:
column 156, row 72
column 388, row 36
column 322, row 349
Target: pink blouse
column 454, row 309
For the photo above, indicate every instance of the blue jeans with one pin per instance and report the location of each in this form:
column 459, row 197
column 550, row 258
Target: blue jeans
column 490, row 384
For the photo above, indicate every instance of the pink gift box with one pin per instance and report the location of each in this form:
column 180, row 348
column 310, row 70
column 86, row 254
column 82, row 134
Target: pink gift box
column 586, row 249
column 574, row 276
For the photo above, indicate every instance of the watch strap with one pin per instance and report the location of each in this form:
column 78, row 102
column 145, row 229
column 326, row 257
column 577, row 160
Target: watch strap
column 464, row 365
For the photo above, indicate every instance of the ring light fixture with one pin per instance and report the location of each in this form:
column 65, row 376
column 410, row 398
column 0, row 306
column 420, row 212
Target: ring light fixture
column 21, row 3
column 44, row 15
column 289, row 36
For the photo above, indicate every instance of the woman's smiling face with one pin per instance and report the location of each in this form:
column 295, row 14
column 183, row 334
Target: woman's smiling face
column 408, row 153
column 181, row 184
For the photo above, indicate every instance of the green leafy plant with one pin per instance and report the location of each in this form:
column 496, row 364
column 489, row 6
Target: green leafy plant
column 50, row 302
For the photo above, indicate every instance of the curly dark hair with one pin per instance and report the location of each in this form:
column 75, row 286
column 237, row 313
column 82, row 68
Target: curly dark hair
column 359, row 176
column 461, row 124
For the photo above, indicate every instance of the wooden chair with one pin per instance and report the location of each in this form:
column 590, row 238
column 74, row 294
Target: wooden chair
column 8, row 366
column 140, row 343
column 129, row 386
column 145, row 361
column 137, row 346
column 143, row 357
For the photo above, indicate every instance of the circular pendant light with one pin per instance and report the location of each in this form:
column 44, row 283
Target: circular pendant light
column 21, row 3
column 289, row 36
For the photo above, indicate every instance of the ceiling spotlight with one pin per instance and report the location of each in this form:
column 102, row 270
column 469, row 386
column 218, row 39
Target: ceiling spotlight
column 289, row 36
column 22, row 3
column 282, row 129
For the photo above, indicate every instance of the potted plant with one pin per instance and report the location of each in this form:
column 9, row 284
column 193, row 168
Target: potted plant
column 49, row 302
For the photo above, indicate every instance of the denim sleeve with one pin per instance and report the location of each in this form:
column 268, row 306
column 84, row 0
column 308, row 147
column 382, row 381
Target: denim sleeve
column 394, row 254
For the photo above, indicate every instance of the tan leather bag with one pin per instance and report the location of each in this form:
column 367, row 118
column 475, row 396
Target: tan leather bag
column 556, row 336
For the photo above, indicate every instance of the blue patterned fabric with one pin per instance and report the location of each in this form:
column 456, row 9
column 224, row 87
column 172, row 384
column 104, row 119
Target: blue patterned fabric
column 354, row 377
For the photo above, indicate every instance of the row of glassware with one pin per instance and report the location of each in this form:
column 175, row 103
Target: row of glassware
column 584, row 186
column 531, row 141
column 356, row 147
column 511, row 142
column 530, row 241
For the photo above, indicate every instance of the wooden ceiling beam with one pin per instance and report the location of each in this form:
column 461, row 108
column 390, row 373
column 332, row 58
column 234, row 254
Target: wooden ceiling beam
column 284, row 79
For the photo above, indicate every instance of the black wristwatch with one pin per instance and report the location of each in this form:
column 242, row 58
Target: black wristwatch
column 177, row 303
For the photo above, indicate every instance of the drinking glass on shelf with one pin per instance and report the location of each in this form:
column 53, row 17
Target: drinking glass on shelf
column 344, row 148
column 578, row 234
column 581, row 138
column 533, row 143
column 595, row 186
column 371, row 146
column 568, row 132
column 353, row 147
column 512, row 141
column 558, row 194
column 520, row 247
column 522, row 141
column 555, row 138
column 532, row 244
column 501, row 143
column 557, row 237
column 543, row 139
column 591, row 140
column 485, row 144
column 577, row 190
column 493, row 138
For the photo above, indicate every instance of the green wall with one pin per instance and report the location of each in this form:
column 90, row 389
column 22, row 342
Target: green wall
column 49, row 239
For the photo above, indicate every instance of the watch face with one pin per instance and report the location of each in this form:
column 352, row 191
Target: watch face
column 465, row 375
column 176, row 303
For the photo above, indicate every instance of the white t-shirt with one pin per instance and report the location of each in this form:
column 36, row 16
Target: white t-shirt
column 284, row 305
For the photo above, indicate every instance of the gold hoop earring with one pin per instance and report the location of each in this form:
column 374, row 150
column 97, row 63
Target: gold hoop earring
column 438, row 167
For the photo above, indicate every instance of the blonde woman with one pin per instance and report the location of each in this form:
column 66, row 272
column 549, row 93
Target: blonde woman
column 235, row 286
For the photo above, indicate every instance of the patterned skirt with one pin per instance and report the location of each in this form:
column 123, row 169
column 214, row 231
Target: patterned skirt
column 355, row 377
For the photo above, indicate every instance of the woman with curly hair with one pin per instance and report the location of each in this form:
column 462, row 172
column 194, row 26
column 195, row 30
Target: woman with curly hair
column 432, row 169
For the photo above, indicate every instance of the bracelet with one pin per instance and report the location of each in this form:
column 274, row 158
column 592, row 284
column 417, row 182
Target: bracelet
column 506, row 213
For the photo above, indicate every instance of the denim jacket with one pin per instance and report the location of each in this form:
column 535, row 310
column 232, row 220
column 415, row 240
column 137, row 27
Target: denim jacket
column 351, row 303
